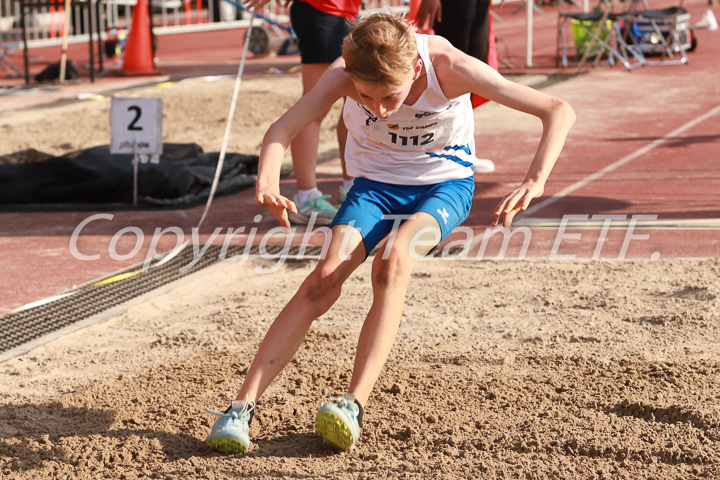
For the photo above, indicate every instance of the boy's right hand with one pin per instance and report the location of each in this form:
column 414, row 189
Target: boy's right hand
column 278, row 206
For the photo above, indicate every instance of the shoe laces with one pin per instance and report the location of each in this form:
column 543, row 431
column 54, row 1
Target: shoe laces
column 346, row 404
column 234, row 413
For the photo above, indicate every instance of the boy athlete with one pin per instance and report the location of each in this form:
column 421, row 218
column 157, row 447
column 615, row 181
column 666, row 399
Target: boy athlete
column 410, row 146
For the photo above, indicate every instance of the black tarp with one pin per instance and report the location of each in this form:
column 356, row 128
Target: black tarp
column 31, row 180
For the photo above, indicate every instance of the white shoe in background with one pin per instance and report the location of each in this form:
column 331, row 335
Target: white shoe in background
column 483, row 165
column 708, row 21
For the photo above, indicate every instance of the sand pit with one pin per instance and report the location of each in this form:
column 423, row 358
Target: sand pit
column 193, row 111
column 502, row 369
column 509, row 369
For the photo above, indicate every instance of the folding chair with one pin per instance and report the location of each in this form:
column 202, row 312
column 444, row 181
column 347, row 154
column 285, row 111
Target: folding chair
column 595, row 34
column 665, row 32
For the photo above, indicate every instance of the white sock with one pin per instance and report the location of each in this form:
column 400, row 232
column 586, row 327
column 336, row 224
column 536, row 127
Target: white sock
column 347, row 184
column 303, row 195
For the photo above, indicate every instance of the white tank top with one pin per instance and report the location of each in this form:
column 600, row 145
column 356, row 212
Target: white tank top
column 429, row 142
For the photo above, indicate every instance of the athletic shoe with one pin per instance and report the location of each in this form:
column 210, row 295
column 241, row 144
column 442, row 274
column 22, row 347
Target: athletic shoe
column 337, row 422
column 317, row 204
column 708, row 21
column 483, row 165
column 230, row 432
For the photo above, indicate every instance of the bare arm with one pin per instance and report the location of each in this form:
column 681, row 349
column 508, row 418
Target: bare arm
column 333, row 85
column 459, row 73
column 430, row 11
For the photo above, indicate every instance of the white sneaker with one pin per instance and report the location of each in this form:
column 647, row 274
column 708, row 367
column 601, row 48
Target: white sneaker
column 708, row 21
column 230, row 432
column 483, row 165
column 317, row 206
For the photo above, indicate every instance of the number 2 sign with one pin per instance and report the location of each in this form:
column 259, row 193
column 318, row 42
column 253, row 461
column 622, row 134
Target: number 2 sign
column 136, row 126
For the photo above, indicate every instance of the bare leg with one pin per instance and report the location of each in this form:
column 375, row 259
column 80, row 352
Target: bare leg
column 304, row 146
column 342, row 134
column 390, row 275
column 316, row 295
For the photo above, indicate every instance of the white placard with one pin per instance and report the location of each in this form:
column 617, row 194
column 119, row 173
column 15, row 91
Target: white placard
column 136, row 125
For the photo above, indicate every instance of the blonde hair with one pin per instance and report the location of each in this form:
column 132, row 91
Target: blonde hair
column 381, row 50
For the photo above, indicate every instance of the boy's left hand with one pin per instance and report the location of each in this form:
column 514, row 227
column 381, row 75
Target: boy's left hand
column 516, row 201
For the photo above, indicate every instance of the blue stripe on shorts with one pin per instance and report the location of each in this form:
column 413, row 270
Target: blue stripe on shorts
column 368, row 202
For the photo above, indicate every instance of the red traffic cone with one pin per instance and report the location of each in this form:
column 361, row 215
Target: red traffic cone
column 138, row 50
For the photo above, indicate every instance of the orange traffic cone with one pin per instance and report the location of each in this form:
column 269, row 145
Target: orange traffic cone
column 138, row 51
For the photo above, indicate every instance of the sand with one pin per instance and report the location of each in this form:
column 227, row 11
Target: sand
column 501, row 369
column 193, row 111
column 531, row 369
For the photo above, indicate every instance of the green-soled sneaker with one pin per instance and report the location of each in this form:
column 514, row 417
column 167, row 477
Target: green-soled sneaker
column 337, row 422
column 230, row 432
column 317, row 205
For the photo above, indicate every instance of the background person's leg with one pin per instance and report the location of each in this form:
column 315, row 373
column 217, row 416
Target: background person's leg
column 304, row 147
column 342, row 134
column 456, row 26
column 320, row 36
column 479, row 39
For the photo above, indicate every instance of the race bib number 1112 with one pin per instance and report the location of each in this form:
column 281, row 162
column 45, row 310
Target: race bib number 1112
column 420, row 135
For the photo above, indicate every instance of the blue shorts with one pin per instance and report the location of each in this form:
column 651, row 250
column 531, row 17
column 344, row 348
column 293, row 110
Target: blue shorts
column 368, row 202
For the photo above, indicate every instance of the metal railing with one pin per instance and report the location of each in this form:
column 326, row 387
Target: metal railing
column 45, row 24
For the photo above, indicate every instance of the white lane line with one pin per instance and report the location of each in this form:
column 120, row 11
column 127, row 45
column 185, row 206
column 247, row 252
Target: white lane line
column 615, row 224
column 626, row 159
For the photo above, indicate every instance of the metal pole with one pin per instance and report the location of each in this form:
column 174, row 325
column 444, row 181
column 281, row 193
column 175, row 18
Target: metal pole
column 26, row 60
column 529, row 46
column 153, row 42
column 100, row 28
column 90, row 16
column 136, row 161
column 66, row 34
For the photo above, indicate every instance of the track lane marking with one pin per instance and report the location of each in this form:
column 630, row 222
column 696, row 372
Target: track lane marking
column 619, row 163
